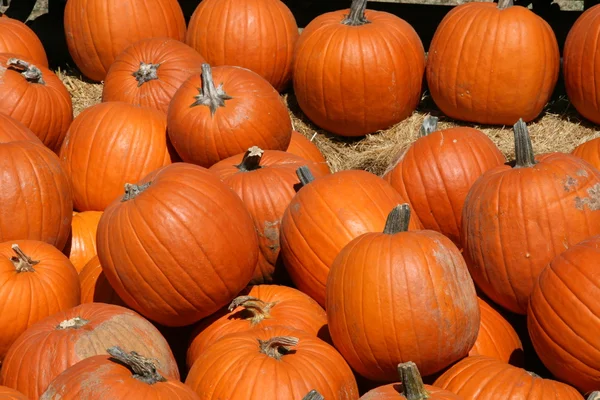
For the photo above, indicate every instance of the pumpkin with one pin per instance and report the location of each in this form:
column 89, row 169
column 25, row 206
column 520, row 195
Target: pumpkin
column 266, row 182
column 177, row 246
column 410, row 387
column 486, row 378
column 148, row 72
column 271, row 363
column 562, row 315
column 259, row 307
column 82, row 246
column 116, row 376
column 579, row 67
column 301, row 146
column 120, row 23
column 474, row 65
column 324, row 216
column 358, row 71
column 256, row 34
column 589, row 151
column 400, row 296
column 62, row 340
column 109, row 145
column 94, row 286
column 35, row 196
column 438, row 170
column 36, row 280
column 18, row 38
column 497, row 338
column 211, row 118
column 12, row 130
column 36, row 97
column 518, row 217
column 7, row 393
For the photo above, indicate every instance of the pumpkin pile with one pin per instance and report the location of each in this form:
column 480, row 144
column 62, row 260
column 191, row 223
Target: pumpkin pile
column 180, row 240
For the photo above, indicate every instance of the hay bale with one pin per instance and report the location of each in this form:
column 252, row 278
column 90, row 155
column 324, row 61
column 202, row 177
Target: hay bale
column 84, row 93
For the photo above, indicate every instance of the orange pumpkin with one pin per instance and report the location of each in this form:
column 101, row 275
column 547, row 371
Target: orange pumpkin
column 94, row 286
column 12, row 130
column 149, row 72
column 225, row 111
column 7, row 393
column 589, row 151
column 109, row 145
column 62, row 340
column 18, row 38
column 81, row 247
column 301, row 146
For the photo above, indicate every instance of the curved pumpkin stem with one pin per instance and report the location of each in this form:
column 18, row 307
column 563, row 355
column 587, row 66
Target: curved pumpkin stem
column 22, row 262
column 278, row 346
column 524, row 156
column 258, row 309
column 210, row 95
column 313, row 395
column 593, row 396
column 73, row 323
column 412, row 383
column 143, row 369
column 147, row 72
column 29, row 71
column 504, row 4
column 429, row 125
column 357, row 14
column 251, row 160
column 132, row 191
column 304, row 175
column 397, row 220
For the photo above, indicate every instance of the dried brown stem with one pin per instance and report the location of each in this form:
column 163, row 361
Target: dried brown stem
column 251, row 160
column 132, row 191
column 146, row 73
column 357, row 14
column 143, row 369
column 257, row 308
column 22, row 262
column 278, row 346
column 29, row 71
column 210, row 95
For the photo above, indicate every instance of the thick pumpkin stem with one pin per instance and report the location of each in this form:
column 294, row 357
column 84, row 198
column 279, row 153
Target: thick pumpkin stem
column 524, row 156
column 143, row 369
column 22, row 262
column 397, row 220
column 593, row 396
column 251, row 160
column 210, row 96
column 504, row 4
column 132, row 191
column 412, row 383
column 255, row 309
column 278, row 346
column 357, row 14
column 313, row 395
column 73, row 323
column 147, row 72
column 429, row 125
column 304, row 175
column 28, row 71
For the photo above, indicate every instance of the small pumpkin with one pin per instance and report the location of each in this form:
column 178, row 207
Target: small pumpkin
column 12, row 130
column 7, row 393
column 18, row 38
column 94, row 286
column 301, row 146
column 589, row 151
column 81, row 247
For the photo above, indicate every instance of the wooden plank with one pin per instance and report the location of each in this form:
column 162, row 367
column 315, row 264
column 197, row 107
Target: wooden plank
column 565, row 5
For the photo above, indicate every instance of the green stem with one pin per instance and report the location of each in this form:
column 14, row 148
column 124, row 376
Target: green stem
column 397, row 220
column 524, row 155
column 429, row 125
column 357, row 14
column 210, row 95
column 412, row 383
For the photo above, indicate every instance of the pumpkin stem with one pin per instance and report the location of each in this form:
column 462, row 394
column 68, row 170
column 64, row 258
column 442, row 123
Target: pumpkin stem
column 524, row 156
column 533, row 374
column 257, row 308
column 594, row 396
column 210, row 96
column 73, row 323
column 147, row 72
column 278, row 346
column 28, row 71
column 313, row 395
column 251, row 160
column 504, row 4
column 412, row 383
column 397, row 220
column 429, row 125
column 304, row 175
column 357, row 14
column 22, row 262
column 143, row 369
column 132, row 191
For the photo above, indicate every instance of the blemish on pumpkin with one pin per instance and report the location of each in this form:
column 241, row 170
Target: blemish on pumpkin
column 581, row 172
column 569, row 183
column 593, row 201
column 271, row 232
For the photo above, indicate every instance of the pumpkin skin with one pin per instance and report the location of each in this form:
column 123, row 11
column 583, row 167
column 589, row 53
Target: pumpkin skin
column 31, row 291
column 42, row 103
column 261, row 36
column 486, row 378
column 18, row 38
column 149, row 72
column 7, row 393
column 301, row 146
column 517, row 219
column 259, row 307
column 266, row 182
column 562, row 336
column 327, row 214
column 94, row 286
column 589, row 151
column 94, row 47
column 62, row 340
column 339, row 83
column 189, row 200
column 459, row 64
column 35, row 196
column 251, row 114
column 313, row 364
column 12, row 130
column 109, row 145
column 82, row 246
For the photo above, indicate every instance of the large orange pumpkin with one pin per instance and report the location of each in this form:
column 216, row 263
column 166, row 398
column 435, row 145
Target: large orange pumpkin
column 12, row 130
column 177, row 246
column 518, row 217
column 116, row 25
column 18, row 38
column 474, row 64
column 82, row 246
column 271, row 364
column 266, row 183
column 324, row 216
column 36, row 280
column 301, row 146
column 94, row 286
column 358, row 71
column 223, row 112
column 36, row 97
column 36, row 194
column 562, row 316
column 7, row 393
column 400, row 296
column 149, row 72
column 109, row 145
column 589, row 151
column 259, row 307
column 486, row 378
column 62, row 340
column 256, row 34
